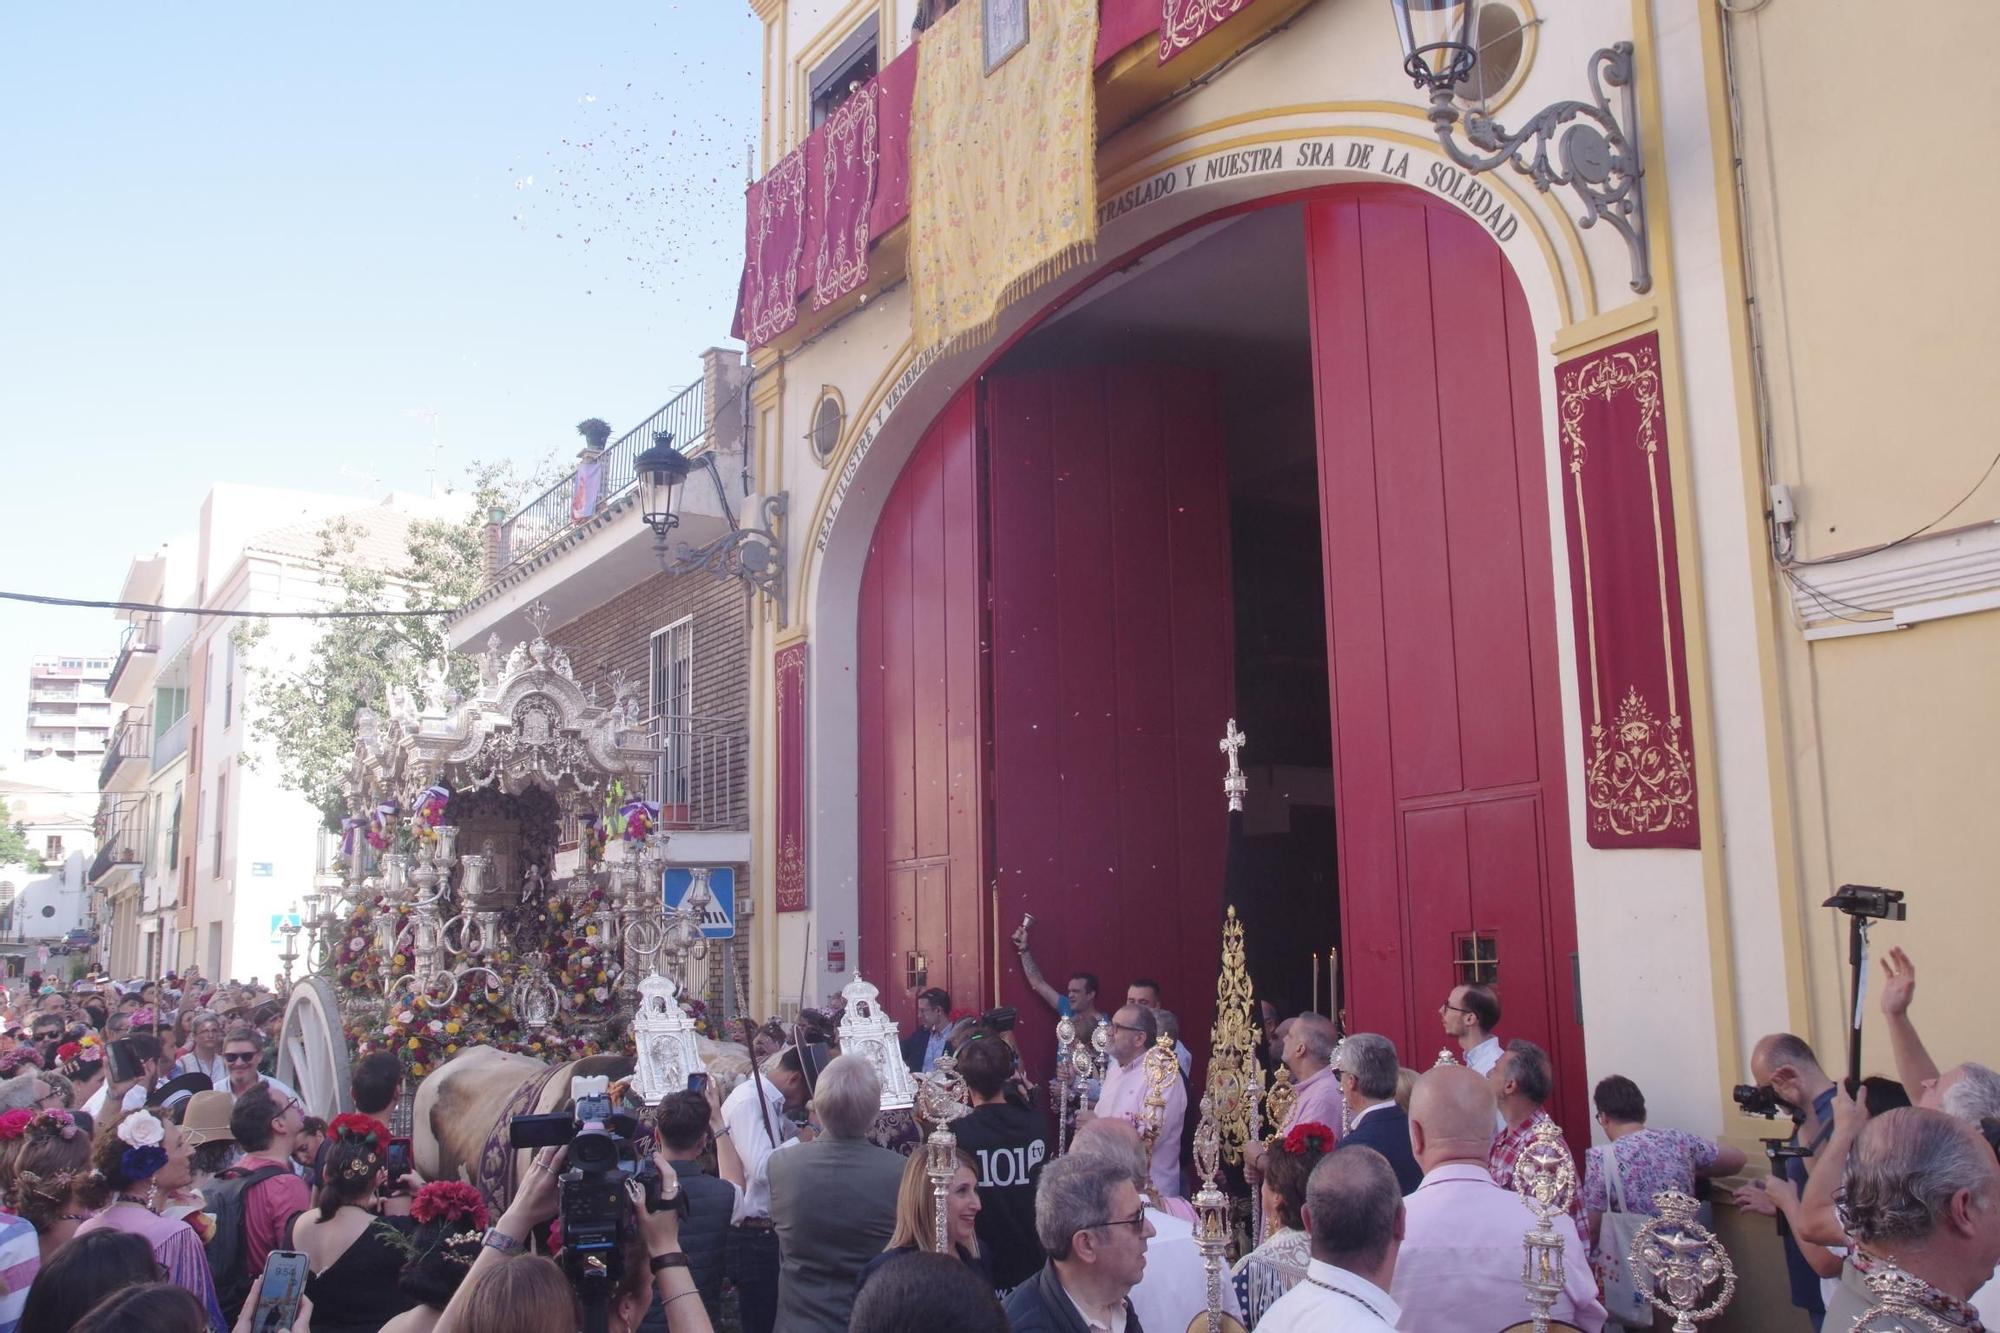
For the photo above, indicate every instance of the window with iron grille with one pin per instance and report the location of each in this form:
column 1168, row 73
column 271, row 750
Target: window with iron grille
column 1475, row 957
column 671, row 698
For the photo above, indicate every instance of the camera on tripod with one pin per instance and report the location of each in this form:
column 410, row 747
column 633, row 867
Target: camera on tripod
column 1866, row 900
column 604, row 1153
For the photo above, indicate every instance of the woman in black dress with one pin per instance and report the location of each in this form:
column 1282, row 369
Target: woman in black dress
column 354, row 1254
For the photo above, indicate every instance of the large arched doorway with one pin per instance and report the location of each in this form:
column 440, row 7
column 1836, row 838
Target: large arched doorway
column 1288, row 467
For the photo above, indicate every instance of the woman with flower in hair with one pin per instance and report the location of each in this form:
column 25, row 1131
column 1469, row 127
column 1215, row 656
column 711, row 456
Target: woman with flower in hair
column 1270, row 1270
column 13, row 1133
column 53, row 1159
column 451, row 1220
column 137, row 1163
column 354, row 1253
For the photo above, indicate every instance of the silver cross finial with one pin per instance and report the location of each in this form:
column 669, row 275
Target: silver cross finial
column 1235, row 784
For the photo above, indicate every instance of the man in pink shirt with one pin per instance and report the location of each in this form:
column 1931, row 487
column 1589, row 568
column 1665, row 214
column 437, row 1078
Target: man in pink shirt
column 1460, row 1265
column 1308, row 1051
column 267, row 1121
column 1133, row 1032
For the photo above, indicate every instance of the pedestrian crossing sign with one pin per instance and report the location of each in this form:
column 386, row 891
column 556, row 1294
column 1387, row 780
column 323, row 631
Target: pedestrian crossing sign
column 719, row 923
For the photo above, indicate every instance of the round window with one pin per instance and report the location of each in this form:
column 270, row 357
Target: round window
column 828, row 418
column 48, row 909
column 1502, row 42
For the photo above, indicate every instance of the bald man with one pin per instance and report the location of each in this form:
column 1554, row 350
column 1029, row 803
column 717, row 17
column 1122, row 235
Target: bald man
column 1460, row 1263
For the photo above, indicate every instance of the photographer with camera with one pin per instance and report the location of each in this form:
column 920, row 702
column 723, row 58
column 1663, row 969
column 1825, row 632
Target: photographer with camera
column 509, row 1291
column 1788, row 1079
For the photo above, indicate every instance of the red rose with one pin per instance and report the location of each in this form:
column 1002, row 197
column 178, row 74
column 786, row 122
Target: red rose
column 1309, row 1137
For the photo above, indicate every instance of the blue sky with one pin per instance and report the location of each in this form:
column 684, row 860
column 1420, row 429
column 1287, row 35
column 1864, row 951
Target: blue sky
column 263, row 243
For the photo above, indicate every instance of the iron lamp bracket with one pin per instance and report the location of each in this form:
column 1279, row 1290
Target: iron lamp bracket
column 754, row 556
column 1595, row 150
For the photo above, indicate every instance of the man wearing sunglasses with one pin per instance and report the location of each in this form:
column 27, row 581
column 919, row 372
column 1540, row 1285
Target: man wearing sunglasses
column 1093, row 1224
column 241, row 1050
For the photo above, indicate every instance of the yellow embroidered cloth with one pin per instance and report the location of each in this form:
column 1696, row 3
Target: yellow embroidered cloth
column 1003, row 171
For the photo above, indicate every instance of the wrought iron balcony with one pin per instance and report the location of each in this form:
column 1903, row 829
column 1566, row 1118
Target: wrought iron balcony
column 131, row 743
column 701, row 779
column 140, row 640
column 555, row 511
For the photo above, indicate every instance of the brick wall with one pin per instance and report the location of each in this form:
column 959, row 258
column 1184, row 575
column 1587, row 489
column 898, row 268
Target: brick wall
column 618, row 634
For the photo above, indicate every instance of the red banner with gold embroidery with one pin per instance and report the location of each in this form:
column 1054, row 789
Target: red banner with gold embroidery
column 789, row 669
column 846, row 190
column 1639, row 778
column 776, row 250
column 1185, row 22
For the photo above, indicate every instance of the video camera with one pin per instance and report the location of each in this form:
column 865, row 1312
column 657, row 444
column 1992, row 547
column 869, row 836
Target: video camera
column 1757, row 1099
column 605, row 1151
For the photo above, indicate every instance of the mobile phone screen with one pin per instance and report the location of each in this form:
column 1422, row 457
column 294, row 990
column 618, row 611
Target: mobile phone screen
column 399, row 1159
column 698, row 1081
column 284, row 1285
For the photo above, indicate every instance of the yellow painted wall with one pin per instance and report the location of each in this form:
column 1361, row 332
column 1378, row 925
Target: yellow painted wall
column 1869, row 201
column 1908, row 726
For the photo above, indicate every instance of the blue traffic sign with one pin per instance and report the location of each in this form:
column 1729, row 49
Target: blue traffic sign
column 720, row 921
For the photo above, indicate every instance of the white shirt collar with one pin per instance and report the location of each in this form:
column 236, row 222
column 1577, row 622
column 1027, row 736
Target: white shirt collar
column 1352, row 1287
column 1366, row 1111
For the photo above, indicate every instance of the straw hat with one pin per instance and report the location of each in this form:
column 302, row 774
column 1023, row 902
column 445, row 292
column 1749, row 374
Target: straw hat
column 207, row 1118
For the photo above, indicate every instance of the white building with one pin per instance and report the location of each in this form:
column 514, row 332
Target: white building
column 44, row 909
column 68, row 714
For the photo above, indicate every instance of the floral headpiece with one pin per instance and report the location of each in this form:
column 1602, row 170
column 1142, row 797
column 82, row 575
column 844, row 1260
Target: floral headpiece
column 53, row 1123
column 1311, row 1136
column 450, row 1201
column 68, row 1051
column 354, row 1128
column 11, row 1062
column 142, row 1134
column 14, row 1123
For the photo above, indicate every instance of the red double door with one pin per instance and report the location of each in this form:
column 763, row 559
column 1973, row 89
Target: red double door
column 1046, row 651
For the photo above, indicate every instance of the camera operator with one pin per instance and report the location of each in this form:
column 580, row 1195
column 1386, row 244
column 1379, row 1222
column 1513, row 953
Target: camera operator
column 1785, row 1067
column 535, row 1203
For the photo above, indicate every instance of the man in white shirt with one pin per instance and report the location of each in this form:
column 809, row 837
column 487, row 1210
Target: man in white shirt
column 132, row 1092
column 1354, row 1214
column 1470, row 1014
column 754, row 1119
column 205, row 1057
column 1460, row 1264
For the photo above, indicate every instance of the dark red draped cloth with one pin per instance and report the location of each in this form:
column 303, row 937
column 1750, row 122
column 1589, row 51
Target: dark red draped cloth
column 775, row 246
column 789, row 669
column 1638, row 749
column 843, row 196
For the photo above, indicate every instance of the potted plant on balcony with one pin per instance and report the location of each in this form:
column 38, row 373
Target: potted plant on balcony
column 596, row 432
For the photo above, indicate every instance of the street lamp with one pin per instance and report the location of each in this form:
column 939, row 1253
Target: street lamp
column 1597, row 149
column 754, row 556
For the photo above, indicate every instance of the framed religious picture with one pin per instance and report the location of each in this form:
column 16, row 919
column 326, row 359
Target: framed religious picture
column 1005, row 24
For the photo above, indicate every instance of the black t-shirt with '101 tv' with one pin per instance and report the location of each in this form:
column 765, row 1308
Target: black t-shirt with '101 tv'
column 1009, row 1143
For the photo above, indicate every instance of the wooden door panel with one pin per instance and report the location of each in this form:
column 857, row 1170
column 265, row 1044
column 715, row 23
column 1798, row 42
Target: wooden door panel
column 1440, row 614
column 920, row 699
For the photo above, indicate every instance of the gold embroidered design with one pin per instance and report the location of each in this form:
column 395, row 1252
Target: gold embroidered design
column 1183, row 22
column 842, row 263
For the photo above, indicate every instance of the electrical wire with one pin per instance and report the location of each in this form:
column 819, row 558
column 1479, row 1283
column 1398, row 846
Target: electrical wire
column 40, row 599
column 1912, row 535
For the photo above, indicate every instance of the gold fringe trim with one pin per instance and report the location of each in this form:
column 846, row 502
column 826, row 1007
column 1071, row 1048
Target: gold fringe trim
column 1074, row 255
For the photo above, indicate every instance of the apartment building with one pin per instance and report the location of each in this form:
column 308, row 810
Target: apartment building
column 69, row 716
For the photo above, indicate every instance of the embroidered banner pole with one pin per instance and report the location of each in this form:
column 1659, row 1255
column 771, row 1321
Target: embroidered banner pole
column 1639, row 778
column 789, row 670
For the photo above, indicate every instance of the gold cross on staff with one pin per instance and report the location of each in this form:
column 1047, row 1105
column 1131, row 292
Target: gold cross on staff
column 1235, row 784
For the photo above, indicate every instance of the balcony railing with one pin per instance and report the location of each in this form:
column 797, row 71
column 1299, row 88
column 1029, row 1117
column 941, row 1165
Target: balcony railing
column 126, row 835
column 131, row 741
column 555, row 511
column 141, row 638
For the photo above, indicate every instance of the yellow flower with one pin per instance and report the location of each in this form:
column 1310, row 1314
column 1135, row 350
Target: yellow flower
column 452, row 1027
column 416, row 1045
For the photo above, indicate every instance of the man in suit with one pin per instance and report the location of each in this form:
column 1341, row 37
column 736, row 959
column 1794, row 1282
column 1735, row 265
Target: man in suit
column 922, row 1048
column 833, row 1201
column 1367, row 1065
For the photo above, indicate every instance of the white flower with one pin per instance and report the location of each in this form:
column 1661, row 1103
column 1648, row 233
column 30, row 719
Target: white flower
column 435, row 1025
column 141, row 1129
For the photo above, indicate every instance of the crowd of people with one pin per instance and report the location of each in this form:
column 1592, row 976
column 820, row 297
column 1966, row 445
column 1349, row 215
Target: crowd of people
column 149, row 1167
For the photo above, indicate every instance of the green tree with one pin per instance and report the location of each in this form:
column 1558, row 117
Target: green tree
column 14, row 849
column 306, row 708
